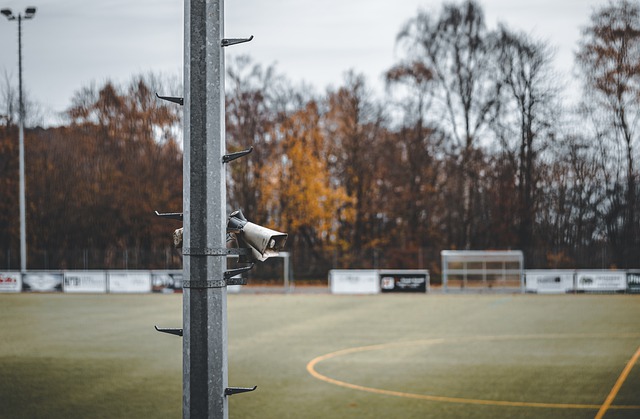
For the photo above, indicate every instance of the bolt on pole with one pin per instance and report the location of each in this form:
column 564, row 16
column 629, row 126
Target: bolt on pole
column 205, row 370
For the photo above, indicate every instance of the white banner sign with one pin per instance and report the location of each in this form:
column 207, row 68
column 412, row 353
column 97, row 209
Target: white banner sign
column 633, row 281
column 91, row 282
column 166, row 282
column 10, row 282
column 349, row 281
column 129, row 282
column 549, row 281
column 42, row 282
column 601, row 281
column 403, row 280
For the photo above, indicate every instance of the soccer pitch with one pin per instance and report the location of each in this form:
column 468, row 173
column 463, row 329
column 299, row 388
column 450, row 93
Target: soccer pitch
column 328, row 356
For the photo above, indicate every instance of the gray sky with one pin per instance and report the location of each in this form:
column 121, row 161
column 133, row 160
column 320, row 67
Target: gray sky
column 72, row 43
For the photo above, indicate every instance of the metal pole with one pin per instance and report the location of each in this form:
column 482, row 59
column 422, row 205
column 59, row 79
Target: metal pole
column 286, row 271
column 23, row 222
column 205, row 371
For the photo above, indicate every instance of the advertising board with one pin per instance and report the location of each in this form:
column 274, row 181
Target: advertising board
column 42, row 282
column 351, row 281
column 89, row 282
column 404, row 280
column 10, row 282
column 129, row 281
column 601, row 281
column 235, row 289
column 549, row 281
column 166, row 282
column 633, row 281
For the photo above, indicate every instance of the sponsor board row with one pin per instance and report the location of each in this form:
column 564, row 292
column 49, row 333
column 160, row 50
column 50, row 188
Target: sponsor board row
column 566, row 281
column 374, row 281
column 92, row 281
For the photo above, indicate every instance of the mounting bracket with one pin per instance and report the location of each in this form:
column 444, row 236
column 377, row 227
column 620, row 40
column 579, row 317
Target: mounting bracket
column 228, row 275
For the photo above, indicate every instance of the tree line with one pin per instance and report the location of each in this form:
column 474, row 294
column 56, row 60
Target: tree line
column 469, row 147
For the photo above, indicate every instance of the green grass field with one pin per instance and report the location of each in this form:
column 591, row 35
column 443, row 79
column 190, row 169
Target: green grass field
column 401, row 356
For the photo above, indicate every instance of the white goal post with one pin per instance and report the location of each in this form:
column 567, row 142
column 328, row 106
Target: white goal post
column 288, row 282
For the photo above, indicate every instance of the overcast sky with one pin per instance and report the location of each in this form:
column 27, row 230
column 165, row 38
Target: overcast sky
column 72, row 43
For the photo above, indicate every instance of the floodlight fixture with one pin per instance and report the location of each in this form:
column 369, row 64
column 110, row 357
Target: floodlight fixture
column 29, row 12
column 8, row 14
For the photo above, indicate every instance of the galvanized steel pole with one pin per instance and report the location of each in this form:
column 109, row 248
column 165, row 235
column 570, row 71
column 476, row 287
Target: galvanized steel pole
column 205, row 371
column 23, row 212
column 29, row 13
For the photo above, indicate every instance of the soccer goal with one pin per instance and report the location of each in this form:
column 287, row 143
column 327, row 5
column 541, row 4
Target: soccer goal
column 287, row 277
column 482, row 270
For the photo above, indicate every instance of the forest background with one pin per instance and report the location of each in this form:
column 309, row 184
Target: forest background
column 469, row 147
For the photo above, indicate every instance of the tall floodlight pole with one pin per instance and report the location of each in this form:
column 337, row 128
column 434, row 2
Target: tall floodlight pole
column 29, row 13
column 205, row 371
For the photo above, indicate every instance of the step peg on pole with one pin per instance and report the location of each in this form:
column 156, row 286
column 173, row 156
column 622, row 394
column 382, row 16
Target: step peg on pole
column 230, row 391
column 170, row 215
column 232, row 156
column 234, row 41
column 178, row 100
column 171, row 331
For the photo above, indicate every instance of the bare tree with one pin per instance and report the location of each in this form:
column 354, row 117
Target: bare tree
column 9, row 104
column 412, row 163
column 571, row 216
column 256, row 101
column 355, row 125
column 609, row 59
column 528, row 112
column 456, row 47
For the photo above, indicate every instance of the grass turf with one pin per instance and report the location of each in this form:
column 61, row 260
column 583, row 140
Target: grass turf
column 99, row 356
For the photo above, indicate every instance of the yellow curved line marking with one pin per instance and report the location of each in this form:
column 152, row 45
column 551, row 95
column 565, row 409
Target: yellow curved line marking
column 312, row 365
column 616, row 387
